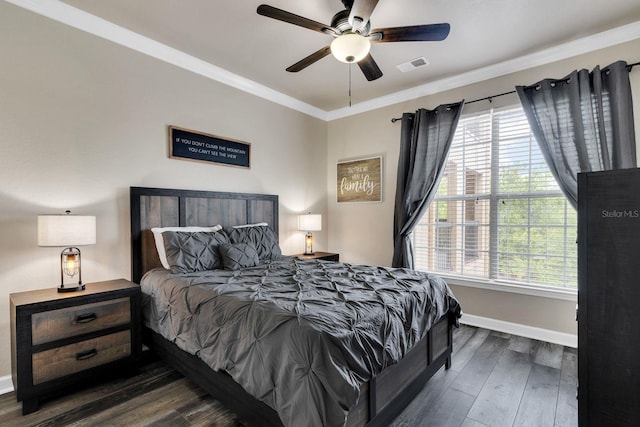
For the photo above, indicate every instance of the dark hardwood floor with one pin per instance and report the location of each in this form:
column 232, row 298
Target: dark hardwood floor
column 495, row 380
column 499, row 380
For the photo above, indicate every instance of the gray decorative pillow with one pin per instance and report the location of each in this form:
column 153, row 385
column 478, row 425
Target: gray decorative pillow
column 238, row 255
column 261, row 237
column 190, row 252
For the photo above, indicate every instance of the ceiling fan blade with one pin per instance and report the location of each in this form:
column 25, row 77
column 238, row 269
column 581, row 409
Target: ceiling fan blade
column 369, row 68
column 314, row 57
column 361, row 12
column 291, row 18
column 416, row 33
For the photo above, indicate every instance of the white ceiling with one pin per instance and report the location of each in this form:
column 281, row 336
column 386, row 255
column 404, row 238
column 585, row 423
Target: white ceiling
column 256, row 49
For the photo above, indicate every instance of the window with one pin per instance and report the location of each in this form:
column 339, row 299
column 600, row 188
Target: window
column 498, row 212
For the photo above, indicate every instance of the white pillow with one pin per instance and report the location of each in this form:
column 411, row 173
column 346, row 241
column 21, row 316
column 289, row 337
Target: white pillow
column 157, row 236
column 260, row 224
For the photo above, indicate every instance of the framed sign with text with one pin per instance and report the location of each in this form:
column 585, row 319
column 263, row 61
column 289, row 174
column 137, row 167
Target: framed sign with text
column 360, row 180
column 203, row 147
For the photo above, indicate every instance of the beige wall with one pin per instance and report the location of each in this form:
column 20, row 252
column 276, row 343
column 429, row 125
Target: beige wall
column 83, row 119
column 364, row 232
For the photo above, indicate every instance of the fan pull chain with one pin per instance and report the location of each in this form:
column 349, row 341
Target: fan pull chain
column 350, row 66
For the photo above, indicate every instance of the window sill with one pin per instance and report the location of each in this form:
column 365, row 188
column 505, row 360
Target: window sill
column 503, row 286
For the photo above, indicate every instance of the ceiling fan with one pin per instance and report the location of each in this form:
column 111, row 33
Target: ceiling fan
column 353, row 35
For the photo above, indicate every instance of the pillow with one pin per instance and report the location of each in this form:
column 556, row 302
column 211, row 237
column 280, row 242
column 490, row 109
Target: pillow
column 157, row 236
column 259, row 224
column 190, row 252
column 238, row 255
column 260, row 236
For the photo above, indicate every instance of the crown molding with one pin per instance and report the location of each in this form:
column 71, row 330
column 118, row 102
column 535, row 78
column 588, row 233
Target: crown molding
column 76, row 18
column 570, row 49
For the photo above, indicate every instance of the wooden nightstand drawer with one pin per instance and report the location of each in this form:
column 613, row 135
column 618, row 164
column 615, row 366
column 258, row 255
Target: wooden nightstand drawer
column 67, row 322
column 69, row 359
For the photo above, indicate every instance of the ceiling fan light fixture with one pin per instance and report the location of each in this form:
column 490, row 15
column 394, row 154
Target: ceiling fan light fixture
column 350, row 47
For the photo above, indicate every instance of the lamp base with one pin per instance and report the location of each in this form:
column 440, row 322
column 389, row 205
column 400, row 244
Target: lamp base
column 73, row 288
column 309, row 253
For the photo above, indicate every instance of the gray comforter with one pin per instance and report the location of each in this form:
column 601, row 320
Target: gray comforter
column 299, row 335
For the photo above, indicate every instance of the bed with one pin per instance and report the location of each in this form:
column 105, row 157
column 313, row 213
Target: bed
column 364, row 384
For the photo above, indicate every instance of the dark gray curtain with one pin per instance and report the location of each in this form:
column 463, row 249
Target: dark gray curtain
column 583, row 123
column 424, row 145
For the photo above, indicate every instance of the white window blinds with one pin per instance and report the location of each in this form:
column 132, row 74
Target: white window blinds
column 498, row 212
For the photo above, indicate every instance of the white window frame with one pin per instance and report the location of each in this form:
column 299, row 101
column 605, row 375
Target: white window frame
column 561, row 293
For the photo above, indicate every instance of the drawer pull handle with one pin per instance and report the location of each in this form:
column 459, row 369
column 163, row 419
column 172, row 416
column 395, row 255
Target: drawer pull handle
column 84, row 355
column 86, row 318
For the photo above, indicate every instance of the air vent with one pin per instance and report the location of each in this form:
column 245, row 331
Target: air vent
column 413, row 64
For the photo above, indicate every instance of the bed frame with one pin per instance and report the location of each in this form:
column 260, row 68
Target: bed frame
column 382, row 398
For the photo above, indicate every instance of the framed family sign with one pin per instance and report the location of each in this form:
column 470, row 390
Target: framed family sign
column 360, row 180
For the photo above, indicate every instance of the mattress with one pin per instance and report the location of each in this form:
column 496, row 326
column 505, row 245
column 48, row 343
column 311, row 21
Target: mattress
column 300, row 335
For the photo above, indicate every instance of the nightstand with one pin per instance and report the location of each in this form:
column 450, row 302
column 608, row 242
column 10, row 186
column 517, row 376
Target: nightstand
column 327, row 256
column 64, row 340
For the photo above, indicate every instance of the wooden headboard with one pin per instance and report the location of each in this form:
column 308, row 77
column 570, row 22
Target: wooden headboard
column 163, row 207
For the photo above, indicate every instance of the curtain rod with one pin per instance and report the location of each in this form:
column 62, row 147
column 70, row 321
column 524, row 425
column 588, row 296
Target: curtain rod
column 490, row 98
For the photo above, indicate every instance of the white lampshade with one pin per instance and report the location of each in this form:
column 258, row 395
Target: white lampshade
column 310, row 222
column 350, row 47
column 66, row 230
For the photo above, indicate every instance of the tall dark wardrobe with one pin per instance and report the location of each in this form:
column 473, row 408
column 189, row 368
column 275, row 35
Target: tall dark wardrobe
column 609, row 298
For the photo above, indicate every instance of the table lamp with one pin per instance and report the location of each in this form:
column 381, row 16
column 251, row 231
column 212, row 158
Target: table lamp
column 309, row 222
column 68, row 231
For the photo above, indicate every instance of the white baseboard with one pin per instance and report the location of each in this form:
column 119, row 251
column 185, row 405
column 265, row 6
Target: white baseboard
column 6, row 385
column 547, row 335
